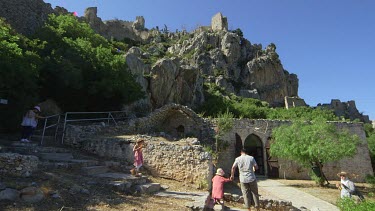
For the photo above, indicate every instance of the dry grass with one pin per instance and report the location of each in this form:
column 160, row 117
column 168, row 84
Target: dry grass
column 328, row 193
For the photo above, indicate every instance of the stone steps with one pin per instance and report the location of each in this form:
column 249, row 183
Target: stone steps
column 100, row 171
column 53, row 156
column 71, row 164
column 94, row 170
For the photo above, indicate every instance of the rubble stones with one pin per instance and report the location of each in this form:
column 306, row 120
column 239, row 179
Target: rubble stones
column 32, row 194
column 14, row 164
column 9, row 194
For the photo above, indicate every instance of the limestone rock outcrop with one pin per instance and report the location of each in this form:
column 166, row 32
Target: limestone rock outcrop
column 172, row 82
column 238, row 66
column 25, row 16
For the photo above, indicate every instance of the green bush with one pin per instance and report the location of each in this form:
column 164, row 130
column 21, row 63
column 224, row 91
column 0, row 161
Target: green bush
column 19, row 75
column 348, row 204
column 370, row 180
column 81, row 72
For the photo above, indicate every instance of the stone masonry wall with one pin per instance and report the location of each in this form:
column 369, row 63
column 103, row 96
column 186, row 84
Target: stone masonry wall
column 86, row 137
column 177, row 160
column 292, row 102
column 360, row 164
column 14, row 164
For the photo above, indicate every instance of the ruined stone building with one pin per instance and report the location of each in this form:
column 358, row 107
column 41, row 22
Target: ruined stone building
column 181, row 160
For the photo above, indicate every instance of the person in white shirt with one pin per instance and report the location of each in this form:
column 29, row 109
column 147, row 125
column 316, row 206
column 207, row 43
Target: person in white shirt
column 247, row 165
column 346, row 186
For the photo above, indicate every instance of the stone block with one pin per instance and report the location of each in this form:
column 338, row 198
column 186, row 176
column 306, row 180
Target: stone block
column 32, row 194
column 56, row 156
column 148, row 188
column 92, row 170
column 9, row 194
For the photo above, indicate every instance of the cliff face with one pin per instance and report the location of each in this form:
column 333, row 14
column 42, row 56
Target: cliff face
column 25, row 16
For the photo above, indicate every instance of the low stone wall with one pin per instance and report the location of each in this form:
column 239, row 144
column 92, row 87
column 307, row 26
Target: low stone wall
column 14, row 164
column 76, row 134
column 180, row 161
column 118, row 148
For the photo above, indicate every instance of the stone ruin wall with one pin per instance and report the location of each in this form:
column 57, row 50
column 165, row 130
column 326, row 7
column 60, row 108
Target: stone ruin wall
column 359, row 165
column 347, row 110
column 219, row 22
column 26, row 16
column 117, row 29
column 174, row 153
column 243, row 128
column 178, row 160
column 292, row 102
column 181, row 162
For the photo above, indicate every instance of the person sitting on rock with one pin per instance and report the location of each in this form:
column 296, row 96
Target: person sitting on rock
column 347, row 187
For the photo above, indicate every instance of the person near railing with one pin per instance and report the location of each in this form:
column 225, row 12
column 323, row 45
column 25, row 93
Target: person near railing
column 29, row 123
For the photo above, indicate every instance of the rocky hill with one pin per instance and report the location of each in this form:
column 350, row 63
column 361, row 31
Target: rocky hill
column 173, row 67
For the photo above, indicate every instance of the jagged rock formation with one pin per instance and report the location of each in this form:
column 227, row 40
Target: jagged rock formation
column 25, row 16
column 221, row 57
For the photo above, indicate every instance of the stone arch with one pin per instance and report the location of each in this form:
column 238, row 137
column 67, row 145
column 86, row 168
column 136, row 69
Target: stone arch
column 254, row 146
column 172, row 119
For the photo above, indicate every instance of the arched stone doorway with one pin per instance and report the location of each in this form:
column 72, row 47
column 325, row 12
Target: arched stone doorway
column 253, row 145
column 180, row 131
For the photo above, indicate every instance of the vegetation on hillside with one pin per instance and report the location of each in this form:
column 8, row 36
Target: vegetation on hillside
column 81, row 66
column 82, row 71
column 218, row 101
column 65, row 61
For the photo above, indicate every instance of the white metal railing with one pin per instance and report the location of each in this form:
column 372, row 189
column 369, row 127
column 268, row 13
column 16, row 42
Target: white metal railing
column 46, row 126
column 109, row 116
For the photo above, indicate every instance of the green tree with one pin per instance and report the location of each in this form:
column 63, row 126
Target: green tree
column 313, row 143
column 82, row 70
column 18, row 75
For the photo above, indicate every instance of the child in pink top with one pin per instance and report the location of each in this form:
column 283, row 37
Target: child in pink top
column 218, row 187
column 138, row 156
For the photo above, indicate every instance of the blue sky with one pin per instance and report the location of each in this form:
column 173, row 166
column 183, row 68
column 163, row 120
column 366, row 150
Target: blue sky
column 329, row 44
